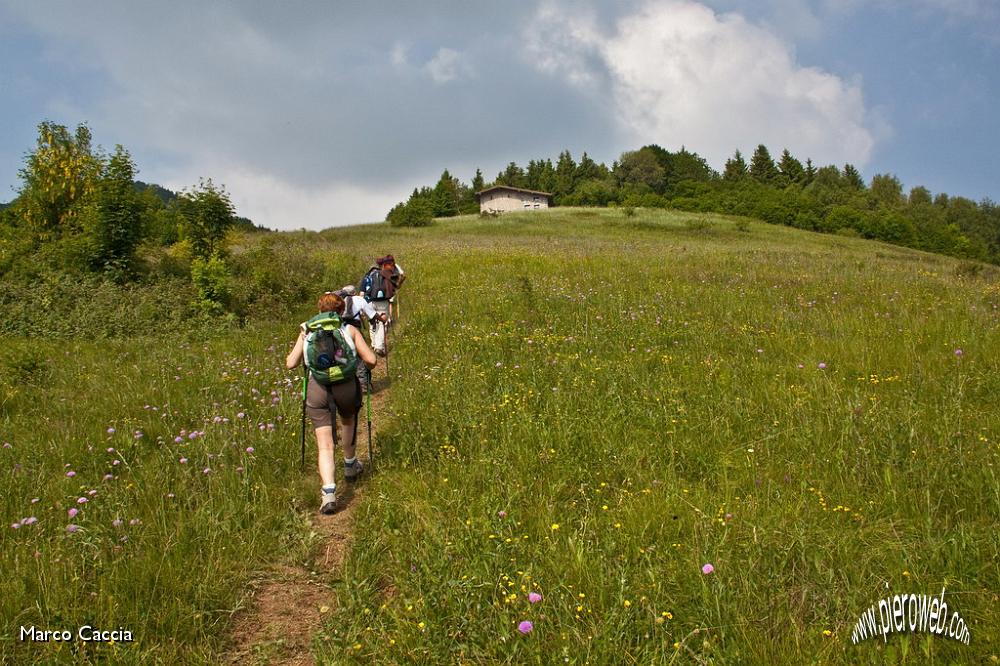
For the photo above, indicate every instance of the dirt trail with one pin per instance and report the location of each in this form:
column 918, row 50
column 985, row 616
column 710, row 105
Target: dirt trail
column 288, row 601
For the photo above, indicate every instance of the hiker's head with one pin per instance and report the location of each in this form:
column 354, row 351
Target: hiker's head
column 349, row 290
column 330, row 302
column 388, row 261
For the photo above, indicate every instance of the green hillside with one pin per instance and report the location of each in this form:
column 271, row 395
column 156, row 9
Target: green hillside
column 586, row 405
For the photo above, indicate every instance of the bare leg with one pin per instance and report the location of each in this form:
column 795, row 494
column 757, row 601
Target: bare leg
column 324, row 441
column 350, row 448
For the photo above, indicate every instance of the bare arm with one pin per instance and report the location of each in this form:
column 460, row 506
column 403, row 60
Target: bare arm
column 364, row 351
column 295, row 356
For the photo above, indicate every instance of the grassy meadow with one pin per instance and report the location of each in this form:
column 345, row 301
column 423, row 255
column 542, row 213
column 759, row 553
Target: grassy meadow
column 585, row 406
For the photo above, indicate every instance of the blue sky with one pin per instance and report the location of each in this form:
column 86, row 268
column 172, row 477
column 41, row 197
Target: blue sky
column 315, row 114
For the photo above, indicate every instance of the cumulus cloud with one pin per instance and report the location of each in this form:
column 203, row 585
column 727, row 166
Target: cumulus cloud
column 679, row 73
column 322, row 100
column 447, row 65
column 280, row 204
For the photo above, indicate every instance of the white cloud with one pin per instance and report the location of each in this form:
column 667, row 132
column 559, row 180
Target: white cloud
column 562, row 41
column 398, row 55
column 277, row 204
column 447, row 65
column 680, row 74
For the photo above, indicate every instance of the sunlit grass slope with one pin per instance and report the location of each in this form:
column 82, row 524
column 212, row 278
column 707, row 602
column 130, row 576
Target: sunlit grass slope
column 592, row 407
column 585, row 405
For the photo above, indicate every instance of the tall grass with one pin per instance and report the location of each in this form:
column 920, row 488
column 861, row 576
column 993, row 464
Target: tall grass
column 592, row 408
column 586, row 405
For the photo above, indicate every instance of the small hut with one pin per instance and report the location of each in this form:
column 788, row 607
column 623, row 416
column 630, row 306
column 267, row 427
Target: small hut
column 503, row 199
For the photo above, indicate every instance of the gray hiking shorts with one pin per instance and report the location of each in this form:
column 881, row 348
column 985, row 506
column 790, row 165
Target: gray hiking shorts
column 321, row 401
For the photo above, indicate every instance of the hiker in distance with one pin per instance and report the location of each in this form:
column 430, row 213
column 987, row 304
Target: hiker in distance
column 331, row 351
column 354, row 308
column 379, row 286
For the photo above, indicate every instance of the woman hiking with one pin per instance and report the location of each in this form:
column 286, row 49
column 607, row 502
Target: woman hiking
column 379, row 286
column 356, row 307
column 331, row 350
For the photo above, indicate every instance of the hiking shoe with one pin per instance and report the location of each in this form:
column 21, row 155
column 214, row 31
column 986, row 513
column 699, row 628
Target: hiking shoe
column 328, row 503
column 352, row 472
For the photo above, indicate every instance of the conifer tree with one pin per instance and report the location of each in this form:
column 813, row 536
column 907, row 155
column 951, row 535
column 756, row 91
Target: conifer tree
column 445, row 197
column 588, row 169
column 565, row 177
column 852, row 177
column 736, row 168
column 810, row 172
column 762, row 168
column 477, row 181
column 790, row 168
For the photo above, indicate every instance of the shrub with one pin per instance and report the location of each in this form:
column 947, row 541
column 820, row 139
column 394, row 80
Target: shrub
column 697, row 224
column 414, row 213
column 212, row 282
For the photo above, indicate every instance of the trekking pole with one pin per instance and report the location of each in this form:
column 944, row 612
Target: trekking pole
column 305, row 380
column 386, row 324
column 368, row 404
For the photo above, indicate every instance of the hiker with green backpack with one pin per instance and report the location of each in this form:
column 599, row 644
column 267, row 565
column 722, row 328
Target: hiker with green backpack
column 331, row 351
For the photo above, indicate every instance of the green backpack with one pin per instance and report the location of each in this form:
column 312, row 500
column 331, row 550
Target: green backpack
column 329, row 357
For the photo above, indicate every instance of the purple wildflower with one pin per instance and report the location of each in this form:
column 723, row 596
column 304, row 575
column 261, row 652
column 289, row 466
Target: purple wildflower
column 707, row 569
column 249, row 449
column 526, row 627
column 71, row 474
column 534, row 597
column 116, row 523
column 72, row 528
